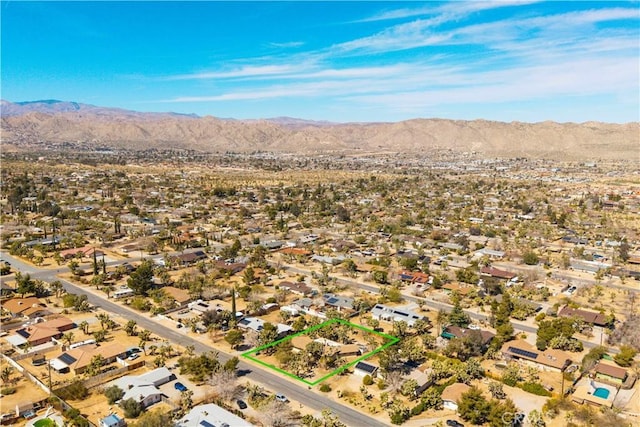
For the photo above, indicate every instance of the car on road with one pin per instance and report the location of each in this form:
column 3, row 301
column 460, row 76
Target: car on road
column 241, row 404
column 180, row 387
column 454, row 423
column 281, row 398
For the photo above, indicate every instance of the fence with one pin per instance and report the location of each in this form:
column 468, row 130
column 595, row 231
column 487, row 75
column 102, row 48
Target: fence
column 64, row 406
column 103, row 377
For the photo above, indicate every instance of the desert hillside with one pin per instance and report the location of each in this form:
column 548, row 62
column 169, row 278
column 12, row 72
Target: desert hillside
column 33, row 126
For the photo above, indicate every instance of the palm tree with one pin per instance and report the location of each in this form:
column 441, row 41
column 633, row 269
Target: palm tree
column 68, row 337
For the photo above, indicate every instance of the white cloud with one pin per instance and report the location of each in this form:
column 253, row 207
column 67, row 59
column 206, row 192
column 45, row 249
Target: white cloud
column 244, row 71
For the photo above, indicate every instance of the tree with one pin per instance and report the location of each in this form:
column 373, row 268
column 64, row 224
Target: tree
column 68, row 337
column 550, row 329
column 6, row 373
column 84, row 327
column 592, row 357
column 268, row 334
column 457, row 316
column 495, row 388
column 501, row 411
column 140, row 280
column 511, row 374
column 95, row 365
column 131, row 407
column 56, row 287
column 625, row 356
column 130, row 328
column 24, row 284
column 473, row 406
column 113, row 394
column 156, row 418
column 530, row 258
column 186, row 401
column 234, row 337
column 104, row 320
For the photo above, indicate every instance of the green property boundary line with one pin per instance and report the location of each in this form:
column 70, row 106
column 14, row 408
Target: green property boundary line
column 392, row 340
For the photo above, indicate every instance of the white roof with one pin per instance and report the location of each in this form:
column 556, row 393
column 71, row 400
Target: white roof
column 16, row 340
column 211, row 415
column 157, row 376
column 58, row 364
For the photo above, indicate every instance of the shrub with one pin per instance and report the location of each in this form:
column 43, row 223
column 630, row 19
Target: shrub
column 113, row 394
column 381, row 384
column 535, row 388
column 74, row 391
column 131, row 408
column 140, row 304
column 325, row 388
column 367, row 380
column 7, row 390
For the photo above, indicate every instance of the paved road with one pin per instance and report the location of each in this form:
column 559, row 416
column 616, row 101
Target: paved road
column 293, row 391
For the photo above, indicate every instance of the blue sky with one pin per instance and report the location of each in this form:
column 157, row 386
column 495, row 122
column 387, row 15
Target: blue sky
column 339, row 61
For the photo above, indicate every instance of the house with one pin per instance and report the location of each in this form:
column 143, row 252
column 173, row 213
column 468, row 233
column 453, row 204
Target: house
column 42, row 332
column 256, row 324
column 491, row 253
column 29, row 307
column 142, row 388
column 112, row 421
column 423, row 380
column 453, row 331
column 299, row 288
column 180, row 297
column 591, row 317
column 296, row 252
column 158, row 376
column 85, row 251
column 414, row 277
column 331, row 260
column 548, row 360
column 610, row 373
column 391, row 314
column 211, row 415
column 78, row 359
column 338, row 302
column 452, row 394
column 497, row 273
column 189, row 258
column 364, row 368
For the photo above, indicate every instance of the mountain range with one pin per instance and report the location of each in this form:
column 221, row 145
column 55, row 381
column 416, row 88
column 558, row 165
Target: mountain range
column 42, row 124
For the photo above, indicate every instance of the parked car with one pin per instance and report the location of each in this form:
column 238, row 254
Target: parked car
column 281, row 398
column 134, row 356
column 241, row 404
column 454, row 423
column 180, row 387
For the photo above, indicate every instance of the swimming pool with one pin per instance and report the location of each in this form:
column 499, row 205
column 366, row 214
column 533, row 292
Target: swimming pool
column 601, row 392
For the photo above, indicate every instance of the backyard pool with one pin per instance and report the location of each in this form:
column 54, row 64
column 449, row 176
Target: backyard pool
column 601, row 392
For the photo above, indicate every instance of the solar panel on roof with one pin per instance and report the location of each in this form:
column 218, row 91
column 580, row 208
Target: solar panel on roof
column 205, row 423
column 65, row 358
column 521, row 352
column 23, row 333
column 365, row 367
column 400, row 313
column 332, row 300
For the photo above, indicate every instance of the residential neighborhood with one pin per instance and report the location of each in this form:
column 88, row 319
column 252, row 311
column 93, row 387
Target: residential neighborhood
column 181, row 294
